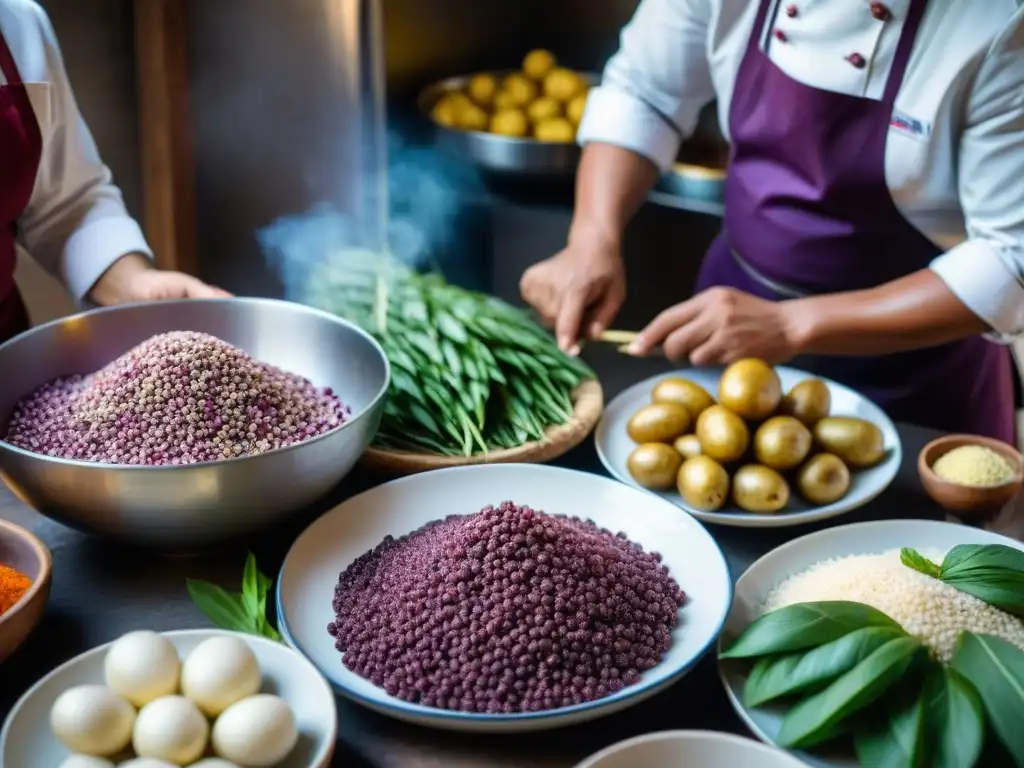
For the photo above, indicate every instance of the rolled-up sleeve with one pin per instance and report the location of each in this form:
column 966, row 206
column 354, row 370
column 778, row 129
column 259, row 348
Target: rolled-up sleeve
column 986, row 271
column 654, row 87
column 76, row 225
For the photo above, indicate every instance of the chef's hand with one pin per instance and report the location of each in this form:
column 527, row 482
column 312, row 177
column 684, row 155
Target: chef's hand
column 133, row 279
column 719, row 326
column 579, row 291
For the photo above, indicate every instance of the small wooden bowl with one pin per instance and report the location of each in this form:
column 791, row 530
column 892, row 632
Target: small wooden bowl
column 966, row 500
column 588, row 405
column 21, row 550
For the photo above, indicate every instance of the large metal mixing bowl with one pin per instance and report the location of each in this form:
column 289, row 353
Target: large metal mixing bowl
column 497, row 154
column 194, row 507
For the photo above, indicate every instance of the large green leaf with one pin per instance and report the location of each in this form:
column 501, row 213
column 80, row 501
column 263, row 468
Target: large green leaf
column 815, row 719
column 995, row 668
column 954, row 719
column 990, row 572
column 894, row 737
column 774, row 677
column 805, row 625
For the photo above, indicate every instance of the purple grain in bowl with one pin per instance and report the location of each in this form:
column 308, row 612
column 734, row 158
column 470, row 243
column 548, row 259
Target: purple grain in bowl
column 177, row 398
column 508, row 610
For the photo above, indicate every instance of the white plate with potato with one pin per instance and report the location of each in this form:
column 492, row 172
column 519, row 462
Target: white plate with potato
column 773, row 449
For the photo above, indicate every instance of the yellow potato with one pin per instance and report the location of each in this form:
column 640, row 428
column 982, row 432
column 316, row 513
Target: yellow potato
column 538, row 63
column 574, row 109
column 472, row 118
column 563, row 84
column 504, row 100
column 556, row 130
column 510, row 122
column 448, row 110
column 520, row 88
column 445, row 113
column 482, row 89
column 544, row 108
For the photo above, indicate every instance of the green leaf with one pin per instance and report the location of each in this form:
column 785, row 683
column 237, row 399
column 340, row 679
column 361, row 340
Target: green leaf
column 250, row 587
column 805, row 625
column 816, row 719
column 774, row 677
column 914, row 559
column 224, row 609
column 954, row 719
column 451, row 328
column 896, row 737
column 263, row 623
column 995, row 668
column 965, row 557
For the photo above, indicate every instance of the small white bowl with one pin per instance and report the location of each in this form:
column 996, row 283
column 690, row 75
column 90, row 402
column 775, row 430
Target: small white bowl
column 690, row 749
column 26, row 738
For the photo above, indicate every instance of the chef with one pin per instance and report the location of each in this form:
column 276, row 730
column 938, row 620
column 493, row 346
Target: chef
column 57, row 199
column 874, row 206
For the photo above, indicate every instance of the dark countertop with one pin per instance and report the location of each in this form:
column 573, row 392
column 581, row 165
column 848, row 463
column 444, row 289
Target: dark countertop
column 100, row 592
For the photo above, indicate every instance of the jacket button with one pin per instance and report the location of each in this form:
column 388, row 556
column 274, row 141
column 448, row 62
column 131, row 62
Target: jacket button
column 880, row 12
column 857, row 60
column 780, row 36
column 792, row 11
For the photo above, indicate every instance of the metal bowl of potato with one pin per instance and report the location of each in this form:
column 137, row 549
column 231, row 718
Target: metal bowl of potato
column 512, row 122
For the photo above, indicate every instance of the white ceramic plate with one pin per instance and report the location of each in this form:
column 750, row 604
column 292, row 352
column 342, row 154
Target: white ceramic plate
column 26, row 739
column 754, row 587
column 614, row 447
column 310, row 572
column 690, row 749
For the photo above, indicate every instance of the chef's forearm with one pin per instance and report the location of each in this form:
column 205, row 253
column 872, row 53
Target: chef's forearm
column 909, row 313
column 115, row 285
column 611, row 185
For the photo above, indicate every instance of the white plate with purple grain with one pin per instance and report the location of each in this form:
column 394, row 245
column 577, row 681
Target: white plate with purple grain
column 413, row 594
column 614, row 446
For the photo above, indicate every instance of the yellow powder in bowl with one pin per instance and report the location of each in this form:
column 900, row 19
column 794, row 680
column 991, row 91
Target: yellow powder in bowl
column 973, row 465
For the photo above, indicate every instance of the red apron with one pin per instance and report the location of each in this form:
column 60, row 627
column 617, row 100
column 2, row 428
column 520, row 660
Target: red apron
column 808, row 211
column 21, row 148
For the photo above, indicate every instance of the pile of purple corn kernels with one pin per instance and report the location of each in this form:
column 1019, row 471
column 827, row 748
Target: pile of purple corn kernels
column 505, row 611
column 178, row 398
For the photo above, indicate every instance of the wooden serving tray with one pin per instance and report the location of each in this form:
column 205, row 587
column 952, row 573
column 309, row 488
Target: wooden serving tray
column 588, row 405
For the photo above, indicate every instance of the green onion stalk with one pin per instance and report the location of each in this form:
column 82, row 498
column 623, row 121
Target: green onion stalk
column 469, row 373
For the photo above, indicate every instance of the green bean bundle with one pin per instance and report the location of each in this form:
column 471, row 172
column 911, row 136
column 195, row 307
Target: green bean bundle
column 469, row 373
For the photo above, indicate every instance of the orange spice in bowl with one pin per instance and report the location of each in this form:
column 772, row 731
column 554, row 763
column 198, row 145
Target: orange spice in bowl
column 13, row 586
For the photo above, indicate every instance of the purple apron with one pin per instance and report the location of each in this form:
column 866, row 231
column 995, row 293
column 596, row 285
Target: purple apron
column 808, row 211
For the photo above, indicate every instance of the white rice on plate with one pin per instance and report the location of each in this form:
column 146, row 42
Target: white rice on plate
column 933, row 612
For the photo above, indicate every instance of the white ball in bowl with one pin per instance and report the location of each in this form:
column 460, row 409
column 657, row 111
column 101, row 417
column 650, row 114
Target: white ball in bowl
column 213, row 762
column 146, row 762
column 142, row 666
column 92, row 720
column 171, row 728
column 219, row 672
column 86, row 761
column 258, row 731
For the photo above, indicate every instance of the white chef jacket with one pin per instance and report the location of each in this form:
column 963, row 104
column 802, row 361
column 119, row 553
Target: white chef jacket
column 76, row 224
column 954, row 157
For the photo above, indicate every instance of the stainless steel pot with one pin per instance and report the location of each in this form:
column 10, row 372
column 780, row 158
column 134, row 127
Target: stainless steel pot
column 187, row 508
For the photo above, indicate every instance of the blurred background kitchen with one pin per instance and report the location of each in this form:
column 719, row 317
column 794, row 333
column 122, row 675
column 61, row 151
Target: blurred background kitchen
column 279, row 128
column 276, row 132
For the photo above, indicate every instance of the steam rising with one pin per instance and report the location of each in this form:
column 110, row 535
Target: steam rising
column 424, row 191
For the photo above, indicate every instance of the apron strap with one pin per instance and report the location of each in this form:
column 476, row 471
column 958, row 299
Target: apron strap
column 903, row 50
